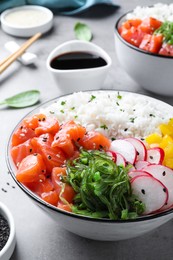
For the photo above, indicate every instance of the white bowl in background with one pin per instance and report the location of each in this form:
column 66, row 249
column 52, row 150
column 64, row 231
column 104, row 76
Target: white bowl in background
column 31, row 27
column 69, row 81
column 152, row 72
column 8, row 249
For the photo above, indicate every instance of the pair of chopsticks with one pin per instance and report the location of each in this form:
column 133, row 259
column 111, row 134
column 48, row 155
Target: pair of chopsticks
column 4, row 64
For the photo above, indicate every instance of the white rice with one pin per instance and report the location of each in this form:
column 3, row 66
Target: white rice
column 162, row 12
column 112, row 113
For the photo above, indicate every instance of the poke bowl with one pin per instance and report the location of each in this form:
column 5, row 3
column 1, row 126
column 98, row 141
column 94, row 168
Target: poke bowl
column 102, row 168
column 144, row 46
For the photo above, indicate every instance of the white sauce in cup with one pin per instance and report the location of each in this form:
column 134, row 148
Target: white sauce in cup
column 26, row 17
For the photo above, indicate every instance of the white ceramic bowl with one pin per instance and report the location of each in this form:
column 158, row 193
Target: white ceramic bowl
column 151, row 71
column 69, row 81
column 8, row 249
column 42, row 26
column 98, row 229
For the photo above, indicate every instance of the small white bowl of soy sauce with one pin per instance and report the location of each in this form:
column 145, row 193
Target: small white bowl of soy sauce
column 78, row 66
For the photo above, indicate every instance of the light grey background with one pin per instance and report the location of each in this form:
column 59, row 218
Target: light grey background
column 38, row 237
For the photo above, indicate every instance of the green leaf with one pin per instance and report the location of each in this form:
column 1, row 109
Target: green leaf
column 23, row 99
column 83, row 32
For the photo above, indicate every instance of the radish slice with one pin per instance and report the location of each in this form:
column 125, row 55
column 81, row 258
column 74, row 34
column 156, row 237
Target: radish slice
column 150, row 191
column 125, row 148
column 165, row 175
column 112, row 154
column 117, row 158
column 140, row 148
column 155, row 155
column 120, row 161
column 134, row 174
column 131, row 168
column 139, row 165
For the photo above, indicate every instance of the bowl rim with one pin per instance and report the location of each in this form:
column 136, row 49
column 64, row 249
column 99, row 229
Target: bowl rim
column 98, row 50
column 118, row 22
column 10, row 244
column 42, row 203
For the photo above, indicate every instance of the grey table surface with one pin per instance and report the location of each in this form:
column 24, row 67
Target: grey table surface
column 38, row 236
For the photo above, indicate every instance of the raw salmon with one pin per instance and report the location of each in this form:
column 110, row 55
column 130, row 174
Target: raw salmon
column 95, row 141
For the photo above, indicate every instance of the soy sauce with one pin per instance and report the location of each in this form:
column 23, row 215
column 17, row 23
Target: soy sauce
column 77, row 60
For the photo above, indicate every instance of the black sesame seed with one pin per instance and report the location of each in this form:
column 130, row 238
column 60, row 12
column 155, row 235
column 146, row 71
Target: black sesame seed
column 49, row 157
column 30, row 150
column 164, row 173
column 4, row 190
column 151, row 157
column 164, row 189
column 143, row 191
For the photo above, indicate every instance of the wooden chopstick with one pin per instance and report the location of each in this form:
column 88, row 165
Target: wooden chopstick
column 4, row 64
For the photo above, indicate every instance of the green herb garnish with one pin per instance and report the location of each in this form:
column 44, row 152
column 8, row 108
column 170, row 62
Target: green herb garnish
column 132, row 119
column 51, row 112
column 92, row 98
column 102, row 188
column 104, row 127
column 119, row 96
column 62, row 111
column 63, row 103
column 23, row 99
column 82, row 32
column 166, row 29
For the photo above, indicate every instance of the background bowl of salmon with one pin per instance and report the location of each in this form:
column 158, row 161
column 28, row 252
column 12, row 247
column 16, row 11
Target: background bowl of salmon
column 97, row 229
column 152, row 72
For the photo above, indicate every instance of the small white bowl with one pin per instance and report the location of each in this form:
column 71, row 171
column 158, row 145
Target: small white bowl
column 152, row 72
column 69, row 81
column 28, row 27
column 8, row 249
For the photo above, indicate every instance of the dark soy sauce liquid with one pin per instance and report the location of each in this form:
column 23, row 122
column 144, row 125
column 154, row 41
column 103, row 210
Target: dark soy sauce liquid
column 77, row 60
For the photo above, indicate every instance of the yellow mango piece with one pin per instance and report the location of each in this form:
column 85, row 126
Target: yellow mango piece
column 170, row 123
column 168, row 151
column 168, row 162
column 166, row 129
column 153, row 138
column 165, row 141
column 154, row 145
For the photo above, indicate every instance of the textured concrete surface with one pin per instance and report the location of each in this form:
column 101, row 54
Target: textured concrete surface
column 38, row 238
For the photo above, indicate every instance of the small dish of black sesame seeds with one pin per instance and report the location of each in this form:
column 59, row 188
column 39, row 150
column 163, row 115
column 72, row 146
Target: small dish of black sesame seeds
column 7, row 233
